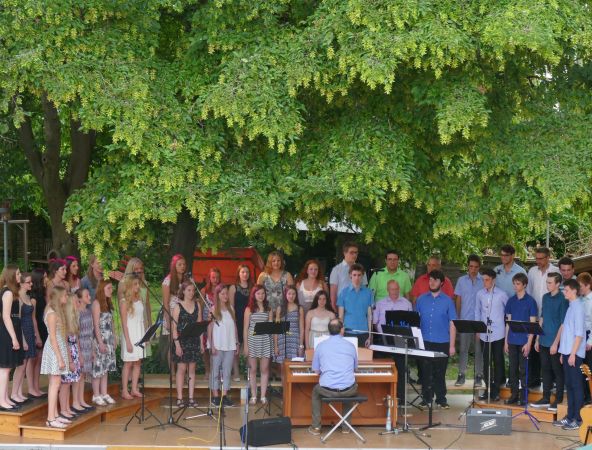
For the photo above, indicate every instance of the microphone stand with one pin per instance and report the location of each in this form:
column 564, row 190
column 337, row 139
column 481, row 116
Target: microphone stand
column 489, row 333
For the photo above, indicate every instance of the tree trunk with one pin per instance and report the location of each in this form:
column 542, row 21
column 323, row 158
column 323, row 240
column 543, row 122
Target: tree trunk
column 45, row 166
column 184, row 237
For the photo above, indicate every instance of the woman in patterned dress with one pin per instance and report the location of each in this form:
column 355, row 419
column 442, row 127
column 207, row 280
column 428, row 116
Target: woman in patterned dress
column 29, row 330
column 55, row 358
column 275, row 279
column 85, row 339
column 257, row 347
column 239, row 299
column 71, row 378
column 290, row 345
column 186, row 349
column 207, row 308
column 104, row 343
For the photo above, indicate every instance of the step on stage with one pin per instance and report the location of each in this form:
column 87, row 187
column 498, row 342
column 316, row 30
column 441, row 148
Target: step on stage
column 104, row 428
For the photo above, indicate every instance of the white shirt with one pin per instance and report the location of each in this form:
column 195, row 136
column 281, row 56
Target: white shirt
column 537, row 283
column 587, row 302
column 340, row 276
column 224, row 333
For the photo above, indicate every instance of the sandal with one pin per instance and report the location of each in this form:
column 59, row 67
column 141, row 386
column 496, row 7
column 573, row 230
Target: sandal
column 55, row 423
column 180, row 403
column 191, row 403
column 63, row 420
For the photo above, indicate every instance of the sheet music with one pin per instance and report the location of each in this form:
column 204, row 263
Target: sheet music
column 417, row 334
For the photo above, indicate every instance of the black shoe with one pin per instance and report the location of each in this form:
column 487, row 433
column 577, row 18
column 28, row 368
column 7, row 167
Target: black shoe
column 534, row 385
column 541, row 403
column 444, row 405
column 483, row 396
column 478, row 380
column 512, row 400
column 79, row 411
column 423, row 405
column 227, row 401
column 460, row 380
column 215, row 401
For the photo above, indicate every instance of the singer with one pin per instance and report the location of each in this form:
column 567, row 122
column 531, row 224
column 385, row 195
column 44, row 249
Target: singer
column 490, row 308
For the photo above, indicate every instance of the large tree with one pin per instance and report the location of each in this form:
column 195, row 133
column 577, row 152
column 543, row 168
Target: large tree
column 427, row 124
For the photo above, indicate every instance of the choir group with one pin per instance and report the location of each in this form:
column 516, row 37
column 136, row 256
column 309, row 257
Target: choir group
column 60, row 324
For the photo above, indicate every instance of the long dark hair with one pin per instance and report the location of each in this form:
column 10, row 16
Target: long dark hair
column 253, row 302
column 315, row 301
column 37, row 289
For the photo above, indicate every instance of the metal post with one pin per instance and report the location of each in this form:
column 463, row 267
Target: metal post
column 548, row 226
column 26, row 245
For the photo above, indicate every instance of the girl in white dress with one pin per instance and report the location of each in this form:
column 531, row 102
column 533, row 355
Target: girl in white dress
column 318, row 318
column 310, row 281
column 132, row 323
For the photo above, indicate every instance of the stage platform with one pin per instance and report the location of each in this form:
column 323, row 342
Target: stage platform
column 108, row 432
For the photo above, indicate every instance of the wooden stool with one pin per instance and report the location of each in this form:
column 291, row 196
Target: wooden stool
column 356, row 400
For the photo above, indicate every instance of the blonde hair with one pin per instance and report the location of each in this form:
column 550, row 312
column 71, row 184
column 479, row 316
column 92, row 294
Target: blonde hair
column 217, row 313
column 8, row 279
column 72, row 316
column 53, row 303
column 128, row 292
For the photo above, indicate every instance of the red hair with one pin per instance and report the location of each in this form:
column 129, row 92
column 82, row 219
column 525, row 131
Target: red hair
column 208, row 288
column 304, row 272
column 252, row 305
column 174, row 280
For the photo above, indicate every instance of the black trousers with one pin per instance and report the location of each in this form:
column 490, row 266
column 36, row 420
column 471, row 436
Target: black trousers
column 517, row 368
column 400, row 363
column 496, row 362
column 433, row 371
column 551, row 368
column 534, row 367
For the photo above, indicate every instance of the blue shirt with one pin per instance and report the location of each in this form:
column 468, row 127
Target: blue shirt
column 336, row 359
column 553, row 314
column 520, row 309
column 355, row 305
column 467, row 290
column 573, row 326
column 492, row 305
column 435, row 314
column 503, row 280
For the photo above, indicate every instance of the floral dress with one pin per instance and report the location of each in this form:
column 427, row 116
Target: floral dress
column 104, row 362
column 72, row 376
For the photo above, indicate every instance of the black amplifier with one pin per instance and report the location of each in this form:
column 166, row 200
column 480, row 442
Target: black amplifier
column 489, row 421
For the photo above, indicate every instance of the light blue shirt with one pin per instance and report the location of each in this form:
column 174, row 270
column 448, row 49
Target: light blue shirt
column 335, row 359
column 467, row 289
column 573, row 325
column 503, row 280
column 355, row 305
column 340, row 276
column 492, row 305
column 435, row 313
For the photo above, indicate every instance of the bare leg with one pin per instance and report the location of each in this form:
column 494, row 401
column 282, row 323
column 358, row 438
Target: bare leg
column 125, row 373
column 4, row 374
column 264, row 376
column 30, row 374
column 76, row 394
column 96, row 386
column 235, row 365
column 37, row 373
column 180, row 380
column 17, row 382
column 104, row 380
column 64, row 395
column 253, row 376
column 191, row 375
column 136, row 378
column 52, row 396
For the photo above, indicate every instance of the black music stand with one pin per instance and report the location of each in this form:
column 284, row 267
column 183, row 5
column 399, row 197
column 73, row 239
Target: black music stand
column 470, row 327
column 142, row 409
column 270, row 328
column 405, row 319
column 524, row 327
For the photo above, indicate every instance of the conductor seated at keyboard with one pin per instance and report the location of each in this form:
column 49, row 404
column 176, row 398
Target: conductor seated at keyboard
column 335, row 359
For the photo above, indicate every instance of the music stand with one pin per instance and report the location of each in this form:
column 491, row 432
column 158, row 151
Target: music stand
column 470, row 327
column 523, row 327
column 145, row 339
column 270, row 328
column 399, row 320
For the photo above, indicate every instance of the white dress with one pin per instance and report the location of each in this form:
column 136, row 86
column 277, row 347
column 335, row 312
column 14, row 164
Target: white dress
column 318, row 327
column 306, row 297
column 135, row 327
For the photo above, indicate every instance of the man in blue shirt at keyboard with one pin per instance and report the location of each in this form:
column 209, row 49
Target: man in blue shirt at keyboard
column 436, row 311
column 335, row 359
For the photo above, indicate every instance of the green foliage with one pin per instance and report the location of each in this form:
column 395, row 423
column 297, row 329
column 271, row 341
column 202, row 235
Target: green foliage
column 427, row 124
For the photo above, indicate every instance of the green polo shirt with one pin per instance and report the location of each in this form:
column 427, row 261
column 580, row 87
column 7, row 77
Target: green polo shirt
column 380, row 279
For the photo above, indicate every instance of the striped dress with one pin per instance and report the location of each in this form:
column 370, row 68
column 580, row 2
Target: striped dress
column 260, row 346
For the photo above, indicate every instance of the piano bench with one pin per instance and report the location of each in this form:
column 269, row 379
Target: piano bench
column 356, row 400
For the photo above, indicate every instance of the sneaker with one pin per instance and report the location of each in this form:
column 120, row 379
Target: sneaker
column 314, row 430
column 552, row 407
column 460, row 380
column 215, row 402
column 423, row 405
column 573, row 425
column 479, row 380
column 541, row 403
column 444, row 405
column 108, row 399
column 98, row 400
column 561, row 423
column 227, row 401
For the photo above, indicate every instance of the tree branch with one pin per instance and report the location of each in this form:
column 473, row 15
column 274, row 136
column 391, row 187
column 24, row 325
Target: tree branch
column 27, row 143
column 82, row 147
